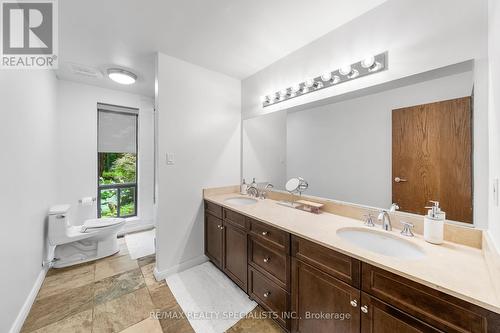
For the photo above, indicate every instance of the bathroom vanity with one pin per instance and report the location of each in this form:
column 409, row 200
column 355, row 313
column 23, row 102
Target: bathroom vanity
column 294, row 264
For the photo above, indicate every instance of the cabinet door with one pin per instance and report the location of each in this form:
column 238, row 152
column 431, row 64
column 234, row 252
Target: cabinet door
column 379, row 317
column 235, row 254
column 213, row 239
column 322, row 303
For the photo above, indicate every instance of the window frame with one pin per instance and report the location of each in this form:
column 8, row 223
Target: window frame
column 119, row 186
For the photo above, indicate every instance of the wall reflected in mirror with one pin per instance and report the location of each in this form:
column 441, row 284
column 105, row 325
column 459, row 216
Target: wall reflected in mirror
column 405, row 144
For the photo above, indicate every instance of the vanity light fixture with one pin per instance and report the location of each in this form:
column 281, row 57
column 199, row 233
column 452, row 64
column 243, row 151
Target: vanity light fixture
column 367, row 66
column 121, row 76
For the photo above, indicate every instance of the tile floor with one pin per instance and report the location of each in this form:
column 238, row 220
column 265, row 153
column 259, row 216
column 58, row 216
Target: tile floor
column 116, row 294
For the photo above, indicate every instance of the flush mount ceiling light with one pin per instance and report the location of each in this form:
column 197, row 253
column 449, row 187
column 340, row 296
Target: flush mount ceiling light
column 369, row 65
column 121, row 76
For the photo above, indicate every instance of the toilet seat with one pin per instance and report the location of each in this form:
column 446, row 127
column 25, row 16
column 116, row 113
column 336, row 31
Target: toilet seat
column 97, row 224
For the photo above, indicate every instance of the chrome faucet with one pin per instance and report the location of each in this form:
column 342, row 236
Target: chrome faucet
column 256, row 192
column 253, row 191
column 385, row 218
column 263, row 193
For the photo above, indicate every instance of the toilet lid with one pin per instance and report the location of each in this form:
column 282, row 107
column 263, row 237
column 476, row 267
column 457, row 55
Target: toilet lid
column 102, row 222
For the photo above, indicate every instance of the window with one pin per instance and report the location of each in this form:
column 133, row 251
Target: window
column 117, row 161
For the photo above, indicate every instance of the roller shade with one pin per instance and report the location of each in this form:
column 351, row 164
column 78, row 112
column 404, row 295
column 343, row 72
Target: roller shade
column 117, row 130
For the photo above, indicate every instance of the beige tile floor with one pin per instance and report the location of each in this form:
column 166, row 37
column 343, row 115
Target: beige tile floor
column 116, row 294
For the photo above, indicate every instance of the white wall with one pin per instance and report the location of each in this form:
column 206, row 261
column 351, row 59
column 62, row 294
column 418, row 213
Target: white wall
column 77, row 132
column 494, row 115
column 344, row 149
column 199, row 122
column 264, row 149
column 419, row 36
column 28, row 168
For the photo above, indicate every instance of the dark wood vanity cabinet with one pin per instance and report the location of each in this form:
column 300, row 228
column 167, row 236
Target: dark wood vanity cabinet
column 378, row 301
column 322, row 303
column 380, row 317
column 234, row 262
column 226, row 242
column 213, row 239
column 314, row 289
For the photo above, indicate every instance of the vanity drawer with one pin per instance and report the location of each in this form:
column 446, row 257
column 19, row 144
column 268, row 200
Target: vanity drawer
column 442, row 311
column 269, row 295
column 272, row 262
column 277, row 237
column 336, row 264
column 234, row 218
column 213, row 209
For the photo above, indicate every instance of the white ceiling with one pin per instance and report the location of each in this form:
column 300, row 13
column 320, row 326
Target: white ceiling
column 234, row 37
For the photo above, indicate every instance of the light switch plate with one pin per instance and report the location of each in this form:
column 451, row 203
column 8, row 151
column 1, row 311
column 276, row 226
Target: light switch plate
column 170, row 158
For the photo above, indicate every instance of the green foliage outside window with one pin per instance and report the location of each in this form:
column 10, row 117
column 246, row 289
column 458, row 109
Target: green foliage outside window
column 117, row 168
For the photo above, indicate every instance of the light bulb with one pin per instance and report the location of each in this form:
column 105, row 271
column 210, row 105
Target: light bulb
column 283, row 93
column 305, row 89
column 368, row 62
column 263, row 99
column 295, row 88
column 309, row 83
column 326, row 76
column 345, row 70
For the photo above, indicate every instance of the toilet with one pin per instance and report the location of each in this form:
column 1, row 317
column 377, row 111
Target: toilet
column 94, row 239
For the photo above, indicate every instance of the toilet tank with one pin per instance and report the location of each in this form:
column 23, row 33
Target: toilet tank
column 58, row 223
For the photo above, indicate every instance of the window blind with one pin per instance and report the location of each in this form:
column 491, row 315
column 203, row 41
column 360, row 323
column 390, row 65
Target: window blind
column 117, row 129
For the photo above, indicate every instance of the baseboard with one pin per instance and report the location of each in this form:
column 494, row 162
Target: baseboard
column 25, row 310
column 161, row 275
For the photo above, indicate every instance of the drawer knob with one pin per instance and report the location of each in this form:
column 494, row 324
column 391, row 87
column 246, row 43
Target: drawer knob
column 219, row 226
column 267, row 294
column 266, row 260
column 264, row 233
column 364, row 308
column 354, row 303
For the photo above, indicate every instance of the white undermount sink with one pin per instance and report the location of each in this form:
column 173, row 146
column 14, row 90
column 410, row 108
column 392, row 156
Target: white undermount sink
column 241, row 201
column 381, row 242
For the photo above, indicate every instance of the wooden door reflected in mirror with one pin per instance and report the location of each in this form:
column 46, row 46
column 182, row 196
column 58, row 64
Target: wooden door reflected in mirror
column 432, row 157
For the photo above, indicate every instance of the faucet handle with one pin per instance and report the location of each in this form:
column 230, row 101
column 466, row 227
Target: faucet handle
column 369, row 220
column 407, row 229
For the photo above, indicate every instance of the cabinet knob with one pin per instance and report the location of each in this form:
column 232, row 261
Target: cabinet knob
column 267, row 294
column 354, row 303
column 219, row 226
column 264, row 233
column 266, row 260
column 364, row 308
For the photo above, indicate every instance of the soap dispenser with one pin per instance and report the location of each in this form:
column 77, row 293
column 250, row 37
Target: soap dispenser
column 434, row 224
column 243, row 187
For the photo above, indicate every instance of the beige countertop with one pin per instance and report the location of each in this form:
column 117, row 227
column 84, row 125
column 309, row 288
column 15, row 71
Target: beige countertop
column 455, row 269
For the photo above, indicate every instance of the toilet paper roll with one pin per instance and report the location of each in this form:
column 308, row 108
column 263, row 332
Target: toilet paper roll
column 87, row 201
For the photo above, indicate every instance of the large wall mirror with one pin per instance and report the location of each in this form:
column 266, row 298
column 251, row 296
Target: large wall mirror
column 407, row 143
